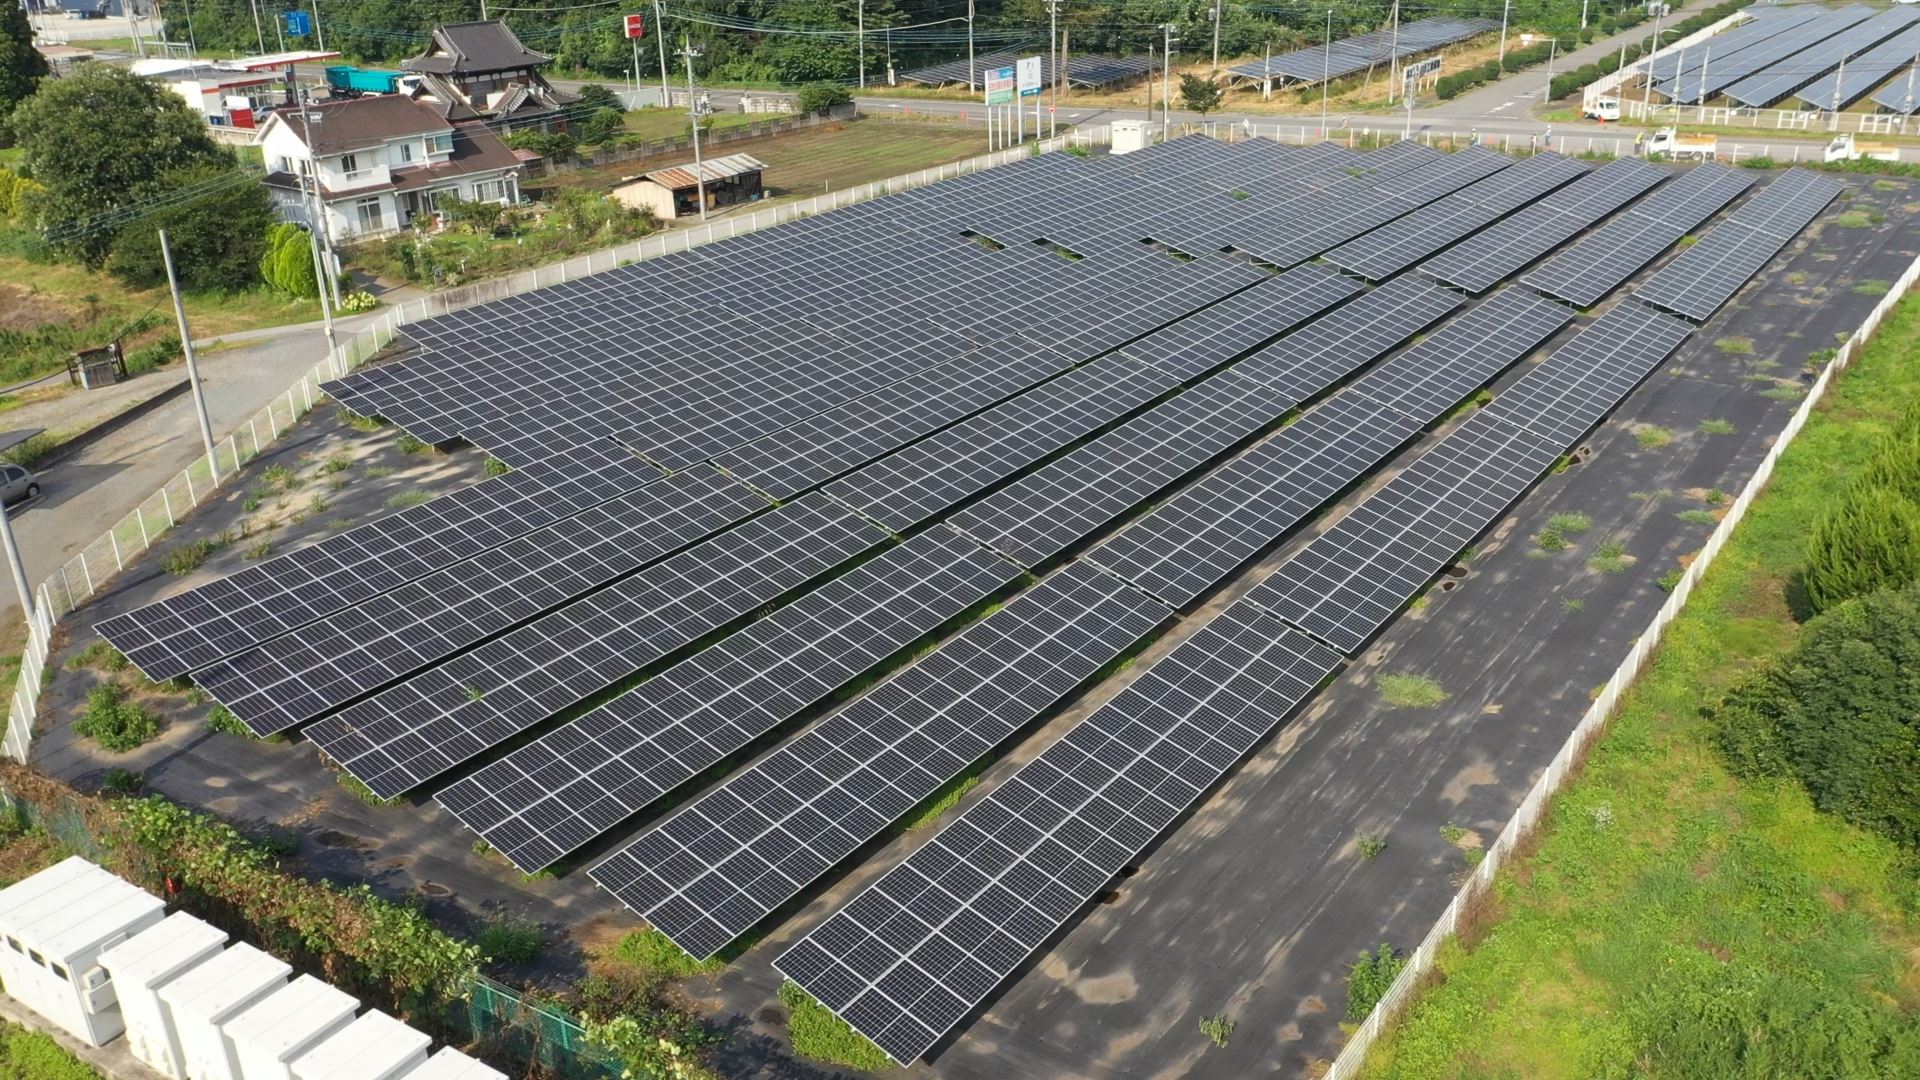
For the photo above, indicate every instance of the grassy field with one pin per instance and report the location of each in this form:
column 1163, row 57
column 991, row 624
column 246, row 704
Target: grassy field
column 825, row 158
column 653, row 124
column 1673, row 921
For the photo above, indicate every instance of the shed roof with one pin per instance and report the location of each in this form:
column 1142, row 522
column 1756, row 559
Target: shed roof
column 72, row 905
column 473, row 48
column 291, row 1016
column 157, row 953
column 215, row 988
column 451, row 1064
column 369, row 1046
column 711, row 171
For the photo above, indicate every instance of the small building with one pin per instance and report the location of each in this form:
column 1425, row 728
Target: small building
column 146, row 963
column 675, row 192
column 62, row 59
column 278, row 1029
column 481, row 71
column 224, row 99
column 374, row 1047
column 382, row 162
column 54, row 926
column 201, row 1002
column 451, row 1064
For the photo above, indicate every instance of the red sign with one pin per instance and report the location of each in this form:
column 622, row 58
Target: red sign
column 636, row 26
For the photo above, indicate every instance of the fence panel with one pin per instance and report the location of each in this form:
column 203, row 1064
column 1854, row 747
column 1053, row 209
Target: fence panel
column 1533, row 808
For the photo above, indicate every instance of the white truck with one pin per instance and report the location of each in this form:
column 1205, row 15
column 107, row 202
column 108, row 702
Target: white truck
column 1683, row 147
column 1604, row 109
column 1847, row 148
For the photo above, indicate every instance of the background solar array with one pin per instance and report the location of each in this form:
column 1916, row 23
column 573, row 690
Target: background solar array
column 1372, row 49
column 1774, row 84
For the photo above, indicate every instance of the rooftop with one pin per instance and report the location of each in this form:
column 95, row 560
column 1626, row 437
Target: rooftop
column 353, row 123
column 474, row 48
column 711, row 171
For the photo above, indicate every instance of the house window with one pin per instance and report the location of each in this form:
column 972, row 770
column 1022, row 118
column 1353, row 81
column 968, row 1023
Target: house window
column 350, row 164
column 406, row 152
column 367, row 214
column 490, row 190
column 441, row 143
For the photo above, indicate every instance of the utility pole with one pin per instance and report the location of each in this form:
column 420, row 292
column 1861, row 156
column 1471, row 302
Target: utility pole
column 259, row 35
column 1506, row 9
column 1703, row 83
column 193, row 369
column 1326, row 72
column 1266, row 73
column 319, row 35
column 1553, row 49
column 133, row 27
column 1166, row 81
column 973, row 76
column 693, row 109
column 330, row 280
column 1053, row 46
column 660, row 39
column 1216, row 36
column 1393, row 53
column 19, row 569
column 1646, row 95
column 861, row 32
column 1583, row 14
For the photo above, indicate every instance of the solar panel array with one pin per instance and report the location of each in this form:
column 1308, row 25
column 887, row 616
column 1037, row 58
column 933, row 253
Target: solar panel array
column 1362, row 51
column 1621, row 248
column 1901, row 94
column 1706, row 275
column 1088, row 69
column 1678, row 74
column 1485, row 259
column 1782, row 49
column 1776, row 83
column 1865, row 70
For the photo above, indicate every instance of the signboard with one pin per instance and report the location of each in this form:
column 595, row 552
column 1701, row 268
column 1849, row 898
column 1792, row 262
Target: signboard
column 299, row 24
column 999, row 86
column 636, row 26
column 1422, row 68
column 1029, row 78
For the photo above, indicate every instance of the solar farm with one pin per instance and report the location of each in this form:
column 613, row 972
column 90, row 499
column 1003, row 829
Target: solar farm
column 1362, row 52
column 1104, row 480
column 1800, row 57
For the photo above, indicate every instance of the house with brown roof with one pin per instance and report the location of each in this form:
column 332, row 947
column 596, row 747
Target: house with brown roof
column 382, row 162
column 481, row 70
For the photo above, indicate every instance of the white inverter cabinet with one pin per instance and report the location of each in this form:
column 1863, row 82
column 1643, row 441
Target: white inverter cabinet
column 281, row 1027
column 53, row 928
column 200, row 1003
column 374, row 1047
column 451, row 1064
column 141, row 966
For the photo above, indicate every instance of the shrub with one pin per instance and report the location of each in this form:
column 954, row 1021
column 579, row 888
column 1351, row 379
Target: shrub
column 1868, row 540
column 221, row 719
column 1759, row 161
column 511, row 941
column 819, row 97
column 1840, row 713
column 120, row 781
column 1370, row 978
column 496, row 467
column 556, row 148
column 358, row 300
column 1216, row 1028
column 114, row 722
column 188, row 557
column 1371, row 845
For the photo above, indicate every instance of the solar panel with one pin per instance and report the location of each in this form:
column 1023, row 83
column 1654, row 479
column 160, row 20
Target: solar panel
column 1780, row 80
column 1345, row 584
column 1584, row 379
column 1306, row 362
column 450, row 713
column 1863, row 72
column 1465, row 354
column 291, row 679
column 1706, row 275
column 1357, row 53
column 1482, row 261
column 932, row 938
column 188, row 631
column 561, row 790
column 1208, row 338
column 1678, row 75
column 1781, row 47
column 1589, row 270
column 709, row 873
column 1901, row 94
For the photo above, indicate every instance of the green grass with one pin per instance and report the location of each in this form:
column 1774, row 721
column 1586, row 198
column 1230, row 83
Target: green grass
column 1739, row 346
column 1570, row 523
column 652, row 951
column 941, row 802
column 1854, row 219
column 1700, row 896
column 822, row 1036
column 1609, row 558
column 33, row 1055
column 1652, row 437
column 1570, row 606
column 400, row 500
column 364, row 793
column 1411, row 691
column 1698, row 517
column 1873, row 287
column 1716, row 427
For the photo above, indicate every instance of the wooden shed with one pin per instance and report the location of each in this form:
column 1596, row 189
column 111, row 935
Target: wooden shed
column 675, row 192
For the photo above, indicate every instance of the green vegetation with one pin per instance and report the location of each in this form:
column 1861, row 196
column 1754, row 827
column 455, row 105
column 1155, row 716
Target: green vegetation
column 1652, row 436
column 820, row 97
column 400, row 500
column 1668, row 581
column 512, row 941
column 653, row 952
column 220, row 719
column 361, row 791
column 1572, row 605
column 822, row 1036
column 1718, row 924
column 1738, row 346
column 1873, row 287
column 1551, row 540
column 487, row 239
column 1572, row 522
column 1411, row 691
column 33, row 1055
column 187, row 557
column 1716, row 427
column 1854, row 219
column 1218, row 1029
column 943, row 800
column 407, row 444
column 256, row 552
column 495, row 467
column 114, row 722
column 1609, row 558
column 1369, row 979
column 1201, row 95
column 1698, row 517
column 1868, row 539
column 98, row 654
column 1371, row 845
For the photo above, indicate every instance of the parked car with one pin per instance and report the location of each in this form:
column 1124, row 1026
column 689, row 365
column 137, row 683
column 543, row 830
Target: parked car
column 17, row 484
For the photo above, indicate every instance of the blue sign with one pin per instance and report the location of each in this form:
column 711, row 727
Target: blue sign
column 299, row 23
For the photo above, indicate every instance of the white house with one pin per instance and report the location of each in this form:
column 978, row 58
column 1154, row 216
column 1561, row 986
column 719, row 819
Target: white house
column 381, row 162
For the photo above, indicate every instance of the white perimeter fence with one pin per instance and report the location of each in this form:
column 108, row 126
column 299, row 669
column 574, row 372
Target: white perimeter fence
column 1534, row 807
column 83, row 576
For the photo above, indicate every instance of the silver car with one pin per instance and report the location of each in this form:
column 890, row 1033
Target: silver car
column 17, row 484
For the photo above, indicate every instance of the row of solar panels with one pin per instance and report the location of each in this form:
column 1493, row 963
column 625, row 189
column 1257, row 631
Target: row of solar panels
column 1363, row 51
column 1824, row 57
column 1090, row 70
column 913, row 953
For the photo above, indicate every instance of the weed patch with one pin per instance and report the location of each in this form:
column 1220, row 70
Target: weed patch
column 1411, row 691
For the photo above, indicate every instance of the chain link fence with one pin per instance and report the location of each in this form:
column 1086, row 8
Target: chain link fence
column 84, row 575
column 1534, row 807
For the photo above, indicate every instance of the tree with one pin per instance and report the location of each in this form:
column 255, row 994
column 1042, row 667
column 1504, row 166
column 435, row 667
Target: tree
column 21, row 65
column 1868, row 540
column 104, row 139
column 1200, row 95
column 556, row 148
column 217, row 239
column 819, row 97
column 1841, row 714
column 287, row 263
column 601, row 125
column 594, row 97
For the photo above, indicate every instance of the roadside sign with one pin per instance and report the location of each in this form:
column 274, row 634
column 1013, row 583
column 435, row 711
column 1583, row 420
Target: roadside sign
column 1029, row 78
column 999, row 86
column 1420, row 68
column 299, row 24
column 636, row 26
